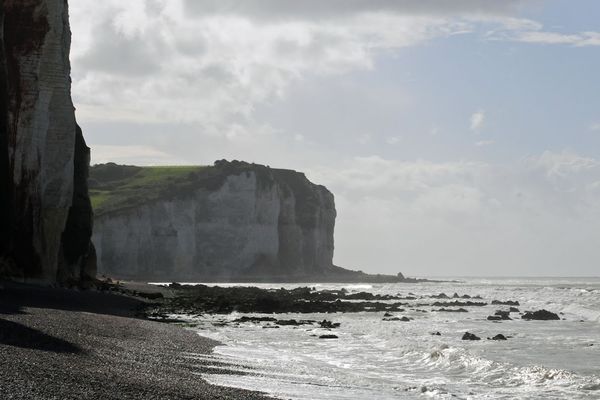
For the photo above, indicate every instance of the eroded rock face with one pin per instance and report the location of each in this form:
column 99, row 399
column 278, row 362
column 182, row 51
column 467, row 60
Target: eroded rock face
column 46, row 229
column 257, row 224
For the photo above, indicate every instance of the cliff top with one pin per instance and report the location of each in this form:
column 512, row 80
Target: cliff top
column 115, row 187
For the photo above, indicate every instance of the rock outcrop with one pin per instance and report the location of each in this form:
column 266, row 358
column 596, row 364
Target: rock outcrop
column 233, row 221
column 540, row 315
column 45, row 217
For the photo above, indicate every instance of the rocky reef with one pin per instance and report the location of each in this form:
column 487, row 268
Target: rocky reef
column 233, row 221
column 45, row 212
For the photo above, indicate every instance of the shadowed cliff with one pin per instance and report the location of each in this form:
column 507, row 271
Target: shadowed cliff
column 45, row 217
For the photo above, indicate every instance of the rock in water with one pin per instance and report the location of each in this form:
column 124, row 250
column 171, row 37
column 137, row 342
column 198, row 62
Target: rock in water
column 541, row 315
column 470, row 336
column 328, row 337
column 45, row 222
column 498, row 337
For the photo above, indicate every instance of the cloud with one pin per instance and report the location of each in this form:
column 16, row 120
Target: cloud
column 484, row 143
column 137, row 154
column 582, row 39
column 393, row 140
column 211, row 63
column 564, row 165
column 454, row 218
column 477, row 120
column 528, row 31
column 595, row 127
column 364, row 138
column 317, row 9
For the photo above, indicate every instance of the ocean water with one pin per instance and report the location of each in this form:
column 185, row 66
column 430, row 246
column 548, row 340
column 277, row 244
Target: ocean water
column 375, row 359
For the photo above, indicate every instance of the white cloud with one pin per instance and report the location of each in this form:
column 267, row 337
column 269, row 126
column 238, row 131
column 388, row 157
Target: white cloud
column 393, row 140
column 483, row 143
column 528, row 31
column 138, row 154
column 564, row 165
column 364, row 138
column 463, row 217
column 477, row 120
column 150, row 61
column 595, row 127
column 582, row 39
column 211, row 63
column 318, row 9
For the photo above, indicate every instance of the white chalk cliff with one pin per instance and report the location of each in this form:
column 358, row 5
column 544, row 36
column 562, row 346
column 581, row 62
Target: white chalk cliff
column 237, row 221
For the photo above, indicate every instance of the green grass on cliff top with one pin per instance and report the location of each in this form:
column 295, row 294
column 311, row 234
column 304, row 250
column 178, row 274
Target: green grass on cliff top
column 114, row 187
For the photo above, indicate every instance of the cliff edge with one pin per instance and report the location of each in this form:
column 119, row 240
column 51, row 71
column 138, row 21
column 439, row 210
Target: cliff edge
column 45, row 211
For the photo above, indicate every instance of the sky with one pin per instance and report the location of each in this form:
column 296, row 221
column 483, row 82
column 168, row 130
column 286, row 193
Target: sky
column 460, row 138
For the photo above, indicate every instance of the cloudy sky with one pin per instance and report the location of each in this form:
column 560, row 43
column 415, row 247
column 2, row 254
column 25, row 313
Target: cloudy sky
column 459, row 137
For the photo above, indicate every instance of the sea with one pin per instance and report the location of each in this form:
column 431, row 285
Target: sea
column 376, row 359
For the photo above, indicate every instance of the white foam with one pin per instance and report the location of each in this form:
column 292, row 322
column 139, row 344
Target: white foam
column 387, row 360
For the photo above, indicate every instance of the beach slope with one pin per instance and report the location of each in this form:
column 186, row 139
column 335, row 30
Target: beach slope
column 63, row 344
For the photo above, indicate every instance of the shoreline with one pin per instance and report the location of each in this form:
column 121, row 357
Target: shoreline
column 70, row 344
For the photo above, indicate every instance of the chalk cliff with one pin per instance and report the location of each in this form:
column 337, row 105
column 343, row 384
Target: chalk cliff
column 233, row 221
column 45, row 212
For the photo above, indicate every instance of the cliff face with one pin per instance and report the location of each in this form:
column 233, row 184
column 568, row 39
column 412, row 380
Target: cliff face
column 234, row 221
column 46, row 215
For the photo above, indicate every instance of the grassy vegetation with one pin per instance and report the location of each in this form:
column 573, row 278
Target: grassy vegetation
column 114, row 187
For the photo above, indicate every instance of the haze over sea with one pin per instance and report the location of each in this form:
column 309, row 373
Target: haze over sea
column 378, row 359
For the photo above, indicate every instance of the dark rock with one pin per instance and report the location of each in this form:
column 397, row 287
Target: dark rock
column 450, row 310
column 150, row 295
column 514, row 309
column 369, row 296
column 329, row 324
column 458, row 304
column 403, row 319
column 498, row 337
column 470, row 336
column 387, row 315
column 505, row 303
column 505, row 315
column 436, row 334
column 328, row 337
column 255, row 319
column 224, row 300
column 540, row 315
column 494, row 318
column 293, row 322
